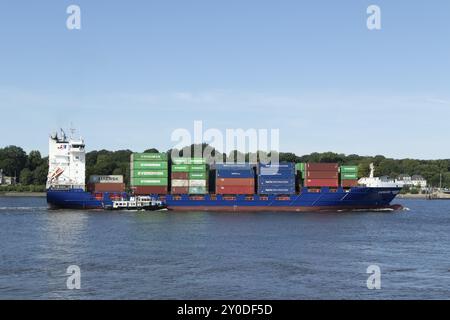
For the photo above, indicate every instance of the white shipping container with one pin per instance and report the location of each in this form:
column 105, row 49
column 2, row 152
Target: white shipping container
column 197, row 183
column 106, row 179
column 180, row 183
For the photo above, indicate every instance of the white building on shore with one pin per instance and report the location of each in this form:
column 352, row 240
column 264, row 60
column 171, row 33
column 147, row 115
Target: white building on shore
column 4, row 180
column 415, row 181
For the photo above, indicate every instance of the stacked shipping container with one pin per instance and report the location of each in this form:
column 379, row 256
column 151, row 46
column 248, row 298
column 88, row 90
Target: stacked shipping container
column 322, row 175
column 349, row 176
column 198, row 179
column 189, row 176
column 106, row 184
column 276, row 179
column 234, row 179
column 180, row 179
column 300, row 175
column 149, row 173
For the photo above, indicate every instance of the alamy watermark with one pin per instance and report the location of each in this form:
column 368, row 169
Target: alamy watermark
column 73, row 21
column 374, row 280
column 250, row 145
column 374, row 19
column 74, row 277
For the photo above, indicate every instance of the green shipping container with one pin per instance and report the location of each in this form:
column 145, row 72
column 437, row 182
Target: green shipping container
column 198, row 167
column 149, row 181
column 149, row 157
column 181, row 168
column 158, row 165
column 349, row 176
column 189, row 161
column 146, row 173
column 198, row 190
column 349, row 169
column 197, row 175
column 300, row 167
column 198, row 161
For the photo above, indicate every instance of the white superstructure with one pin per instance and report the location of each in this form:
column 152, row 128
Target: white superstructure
column 377, row 182
column 67, row 162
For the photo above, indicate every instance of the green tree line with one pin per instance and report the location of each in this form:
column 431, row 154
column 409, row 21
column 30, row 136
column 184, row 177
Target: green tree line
column 31, row 169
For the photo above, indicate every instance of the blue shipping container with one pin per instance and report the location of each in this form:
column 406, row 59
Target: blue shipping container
column 288, row 173
column 233, row 166
column 281, row 165
column 279, row 182
column 276, row 190
column 235, row 174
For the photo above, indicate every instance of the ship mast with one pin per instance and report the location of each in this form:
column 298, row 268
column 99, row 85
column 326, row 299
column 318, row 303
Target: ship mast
column 372, row 170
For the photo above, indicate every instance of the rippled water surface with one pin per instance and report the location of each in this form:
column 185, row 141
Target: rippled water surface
column 131, row 255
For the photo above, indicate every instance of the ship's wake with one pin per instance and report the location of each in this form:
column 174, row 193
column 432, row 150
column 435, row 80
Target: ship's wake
column 22, row 208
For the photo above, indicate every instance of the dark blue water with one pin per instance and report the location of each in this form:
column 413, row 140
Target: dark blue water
column 223, row 256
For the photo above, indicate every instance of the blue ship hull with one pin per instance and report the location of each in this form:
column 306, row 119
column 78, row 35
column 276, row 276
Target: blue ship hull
column 79, row 199
column 359, row 198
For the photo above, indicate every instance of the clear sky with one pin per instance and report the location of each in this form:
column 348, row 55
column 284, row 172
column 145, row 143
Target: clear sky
column 137, row 70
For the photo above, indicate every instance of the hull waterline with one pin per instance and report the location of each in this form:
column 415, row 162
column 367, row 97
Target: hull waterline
column 325, row 201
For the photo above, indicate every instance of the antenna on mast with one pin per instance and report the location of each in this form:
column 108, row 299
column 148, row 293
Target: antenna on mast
column 63, row 136
column 72, row 130
column 372, row 169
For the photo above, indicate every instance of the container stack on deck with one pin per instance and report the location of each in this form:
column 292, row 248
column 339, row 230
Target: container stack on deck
column 278, row 179
column 189, row 176
column 106, row 184
column 198, row 179
column 322, row 175
column 349, row 176
column 300, row 175
column 234, row 179
column 180, row 179
column 149, row 173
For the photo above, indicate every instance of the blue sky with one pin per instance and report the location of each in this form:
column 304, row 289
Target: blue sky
column 137, row 70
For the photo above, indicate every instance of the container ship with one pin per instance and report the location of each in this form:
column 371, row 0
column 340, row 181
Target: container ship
column 191, row 184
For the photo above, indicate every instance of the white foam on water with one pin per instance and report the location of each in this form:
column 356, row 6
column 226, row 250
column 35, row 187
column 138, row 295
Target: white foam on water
column 21, row 208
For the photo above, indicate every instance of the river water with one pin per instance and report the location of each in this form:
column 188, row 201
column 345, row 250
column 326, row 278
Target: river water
column 132, row 255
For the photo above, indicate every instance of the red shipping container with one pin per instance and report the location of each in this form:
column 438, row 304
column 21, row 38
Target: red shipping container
column 349, row 183
column 106, row 187
column 180, row 175
column 235, row 190
column 322, row 175
column 245, row 182
column 322, row 167
column 321, row 183
column 146, row 190
column 180, row 190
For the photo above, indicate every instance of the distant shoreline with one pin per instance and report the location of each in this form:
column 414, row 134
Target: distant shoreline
column 424, row 196
column 412, row 196
column 22, row 194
